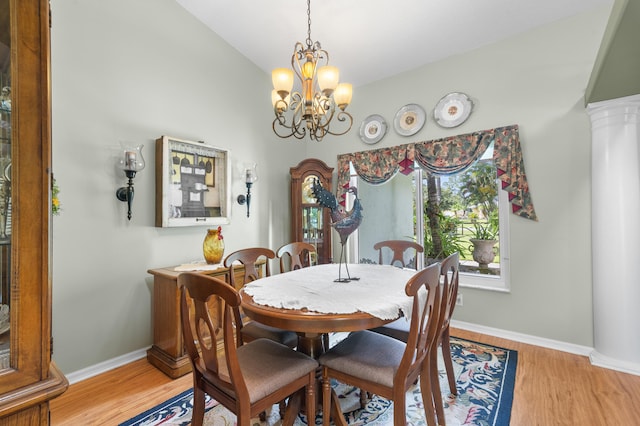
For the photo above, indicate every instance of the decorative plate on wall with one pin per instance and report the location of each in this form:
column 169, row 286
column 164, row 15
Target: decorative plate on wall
column 409, row 119
column 373, row 129
column 453, row 110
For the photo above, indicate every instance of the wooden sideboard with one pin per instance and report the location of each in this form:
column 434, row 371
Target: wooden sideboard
column 167, row 352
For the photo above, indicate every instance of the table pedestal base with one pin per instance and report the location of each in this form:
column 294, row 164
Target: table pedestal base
column 312, row 344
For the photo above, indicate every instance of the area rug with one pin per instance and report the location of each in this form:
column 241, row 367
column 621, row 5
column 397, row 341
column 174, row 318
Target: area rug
column 485, row 378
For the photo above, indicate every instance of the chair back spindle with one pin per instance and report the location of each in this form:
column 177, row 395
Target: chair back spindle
column 398, row 248
column 298, row 254
column 249, row 258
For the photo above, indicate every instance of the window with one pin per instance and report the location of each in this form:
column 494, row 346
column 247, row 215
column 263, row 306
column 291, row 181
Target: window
column 468, row 201
column 390, row 200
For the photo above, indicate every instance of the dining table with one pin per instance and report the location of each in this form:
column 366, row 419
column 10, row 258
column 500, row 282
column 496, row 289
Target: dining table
column 313, row 302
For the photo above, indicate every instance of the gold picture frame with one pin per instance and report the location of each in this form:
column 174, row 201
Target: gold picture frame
column 192, row 183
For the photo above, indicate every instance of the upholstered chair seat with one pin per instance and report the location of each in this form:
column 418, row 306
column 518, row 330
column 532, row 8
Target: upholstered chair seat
column 370, row 356
column 254, row 330
column 268, row 366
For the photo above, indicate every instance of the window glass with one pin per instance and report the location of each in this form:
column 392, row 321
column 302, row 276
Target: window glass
column 388, row 214
column 5, row 183
column 306, row 189
column 459, row 209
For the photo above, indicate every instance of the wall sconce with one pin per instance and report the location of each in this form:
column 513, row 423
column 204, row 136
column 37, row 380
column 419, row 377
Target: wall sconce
column 250, row 177
column 130, row 162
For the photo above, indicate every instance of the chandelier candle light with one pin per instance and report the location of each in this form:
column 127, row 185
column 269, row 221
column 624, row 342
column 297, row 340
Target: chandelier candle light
column 322, row 97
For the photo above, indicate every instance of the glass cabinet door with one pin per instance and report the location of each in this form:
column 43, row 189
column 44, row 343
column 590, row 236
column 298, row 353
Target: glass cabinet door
column 312, row 227
column 309, row 221
column 5, row 183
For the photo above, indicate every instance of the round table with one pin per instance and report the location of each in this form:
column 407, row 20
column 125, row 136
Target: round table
column 310, row 326
column 377, row 297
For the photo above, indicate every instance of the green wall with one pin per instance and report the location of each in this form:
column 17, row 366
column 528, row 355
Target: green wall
column 537, row 81
column 134, row 71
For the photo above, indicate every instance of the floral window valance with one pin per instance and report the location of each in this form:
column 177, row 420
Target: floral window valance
column 448, row 156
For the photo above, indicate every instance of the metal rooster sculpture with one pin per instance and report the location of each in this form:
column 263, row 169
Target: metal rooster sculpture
column 344, row 222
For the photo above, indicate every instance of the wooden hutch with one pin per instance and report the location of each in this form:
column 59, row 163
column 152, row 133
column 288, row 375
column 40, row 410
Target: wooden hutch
column 28, row 377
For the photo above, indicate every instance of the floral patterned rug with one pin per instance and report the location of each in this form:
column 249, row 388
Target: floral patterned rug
column 485, row 380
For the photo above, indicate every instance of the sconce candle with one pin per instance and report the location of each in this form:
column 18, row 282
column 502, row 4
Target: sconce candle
column 250, row 177
column 130, row 160
column 131, row 163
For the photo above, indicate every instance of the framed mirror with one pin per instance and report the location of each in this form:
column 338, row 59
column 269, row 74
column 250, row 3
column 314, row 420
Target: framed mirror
column 192, row 183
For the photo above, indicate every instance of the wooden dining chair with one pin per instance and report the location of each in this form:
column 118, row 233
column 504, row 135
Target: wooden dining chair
column 297, row 254
column 398, row 248
column 449, row 269
column 249, row 259
column 246, row 379
column 399, row 329
column 388, row 367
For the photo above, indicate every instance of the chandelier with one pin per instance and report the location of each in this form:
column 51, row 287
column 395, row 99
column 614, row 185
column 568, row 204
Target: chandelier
column 321, row 99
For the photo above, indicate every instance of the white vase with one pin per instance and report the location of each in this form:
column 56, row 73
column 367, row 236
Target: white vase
column 483, row 252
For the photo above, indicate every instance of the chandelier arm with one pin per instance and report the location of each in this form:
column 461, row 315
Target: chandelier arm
column 342, row 116
column 297, row 106
column 323, row 132
column 292, row 131
column 280, row 126
column 325, row 119
column 298, row 55
column 282, row 120
column 296, row 128
column 321, row 54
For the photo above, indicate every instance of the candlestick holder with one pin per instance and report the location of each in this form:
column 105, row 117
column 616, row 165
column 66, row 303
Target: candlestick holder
column 131, row 162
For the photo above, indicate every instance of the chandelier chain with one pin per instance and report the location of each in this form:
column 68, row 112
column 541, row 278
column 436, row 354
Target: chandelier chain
column 309, row 42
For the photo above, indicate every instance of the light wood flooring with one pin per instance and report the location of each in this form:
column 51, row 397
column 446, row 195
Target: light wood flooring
column 552, row 388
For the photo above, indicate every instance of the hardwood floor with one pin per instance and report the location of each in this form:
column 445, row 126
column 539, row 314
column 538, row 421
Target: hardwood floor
column 115, row 396
column 552, row 389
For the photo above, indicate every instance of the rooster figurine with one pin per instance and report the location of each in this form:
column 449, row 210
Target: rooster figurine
column 342, row 221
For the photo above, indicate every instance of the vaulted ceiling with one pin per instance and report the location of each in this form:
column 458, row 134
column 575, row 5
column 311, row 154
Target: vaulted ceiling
column 374, row 39
column 616, row 72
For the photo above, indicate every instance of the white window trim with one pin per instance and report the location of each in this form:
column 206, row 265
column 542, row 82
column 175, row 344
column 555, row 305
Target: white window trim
column 467, row 280
column 488, row 282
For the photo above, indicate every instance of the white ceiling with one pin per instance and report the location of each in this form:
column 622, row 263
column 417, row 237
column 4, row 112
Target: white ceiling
column 374, row 39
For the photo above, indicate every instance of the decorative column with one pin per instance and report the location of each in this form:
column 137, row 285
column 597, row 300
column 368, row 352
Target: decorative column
column 615, row 232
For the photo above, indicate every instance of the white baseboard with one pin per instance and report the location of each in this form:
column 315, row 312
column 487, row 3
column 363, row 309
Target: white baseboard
column 604, row 361
column 524, row 338
column 105, row 366
column 595, row 358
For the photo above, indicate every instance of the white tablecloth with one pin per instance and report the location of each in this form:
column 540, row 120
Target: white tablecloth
column 379, row 292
